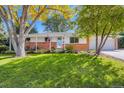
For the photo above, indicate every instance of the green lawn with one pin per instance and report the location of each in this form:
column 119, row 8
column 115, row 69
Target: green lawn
column 60, row 70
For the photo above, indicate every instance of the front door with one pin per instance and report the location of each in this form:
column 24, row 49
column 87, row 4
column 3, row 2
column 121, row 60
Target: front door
column 59, row 42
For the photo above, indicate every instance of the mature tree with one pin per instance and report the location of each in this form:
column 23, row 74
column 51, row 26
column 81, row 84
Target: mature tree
column 25, row 17
column 56, row 23
column 101, row 21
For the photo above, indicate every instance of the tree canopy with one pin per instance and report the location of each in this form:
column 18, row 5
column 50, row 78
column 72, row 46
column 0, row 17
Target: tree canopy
column 56, row 23
column 100, row 21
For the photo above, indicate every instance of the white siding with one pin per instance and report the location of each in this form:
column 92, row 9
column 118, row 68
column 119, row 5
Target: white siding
column 54, row 39
column 92, row 43
column 82, row 41
column 109, row 45
column 67, row 40
column 39, row 39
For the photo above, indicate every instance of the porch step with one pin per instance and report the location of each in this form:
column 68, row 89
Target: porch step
column 58, row 50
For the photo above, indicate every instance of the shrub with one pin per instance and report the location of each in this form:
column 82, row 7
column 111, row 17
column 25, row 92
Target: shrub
column 3, row 48
column 9, row 52
column 45, row 51
column 39, row 51
column 30, row 51
column 121, row 42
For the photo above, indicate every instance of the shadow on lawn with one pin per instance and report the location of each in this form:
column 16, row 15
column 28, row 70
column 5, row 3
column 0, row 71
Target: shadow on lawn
column 61, row 70
column 6, row 57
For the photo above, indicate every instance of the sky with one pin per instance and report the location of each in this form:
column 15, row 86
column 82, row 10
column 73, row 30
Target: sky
column 40, row 28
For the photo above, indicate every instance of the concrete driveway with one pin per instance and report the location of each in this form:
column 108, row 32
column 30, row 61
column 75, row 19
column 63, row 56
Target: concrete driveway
column 118, row 54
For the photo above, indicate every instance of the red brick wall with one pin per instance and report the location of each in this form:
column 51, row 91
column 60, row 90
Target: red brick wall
column 81, row 47
column 40, row 45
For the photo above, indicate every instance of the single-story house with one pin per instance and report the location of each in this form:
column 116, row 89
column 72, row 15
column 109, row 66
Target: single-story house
column 62, row 39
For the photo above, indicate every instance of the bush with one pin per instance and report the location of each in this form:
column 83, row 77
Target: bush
column 121, row 42
column 39, row 51
column 30, row 51
column 9, row 52
column 3, row 48
column 69, row 48
column 42, row 51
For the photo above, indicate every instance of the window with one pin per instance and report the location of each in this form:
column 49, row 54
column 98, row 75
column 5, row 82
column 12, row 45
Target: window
column 74, row 40
column 47, row 39
column 27, row 39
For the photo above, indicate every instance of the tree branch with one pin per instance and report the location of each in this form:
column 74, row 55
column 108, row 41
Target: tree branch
column 106, row 38
column 33, row 22
column 23, row 19
column 103, row 35
column 12, row 24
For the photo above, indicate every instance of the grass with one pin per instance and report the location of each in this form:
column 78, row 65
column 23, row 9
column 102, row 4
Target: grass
column 60, row 70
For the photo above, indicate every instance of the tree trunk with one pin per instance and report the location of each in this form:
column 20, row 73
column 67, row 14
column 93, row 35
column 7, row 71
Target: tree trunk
column 96, row 43
column 20, row 52
column 98, row 51
column 103, row 41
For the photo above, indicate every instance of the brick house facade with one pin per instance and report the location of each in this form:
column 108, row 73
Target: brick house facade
column 51, row 40
column 62, row 39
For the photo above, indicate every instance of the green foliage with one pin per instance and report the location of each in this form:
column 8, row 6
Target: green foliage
column 56, row 23
column 3, row 41
column 2, row 38
column 3, row 48
column 33, row 30
column 95, row 18
column 39, row 51
column 121, row 33
column 9, row 52
column 60, row 70
column 121, row 42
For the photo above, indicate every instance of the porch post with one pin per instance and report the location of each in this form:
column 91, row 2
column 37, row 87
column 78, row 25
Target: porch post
column 63, row 42
column 49, row 38
column 36, row 42
column 50, row 44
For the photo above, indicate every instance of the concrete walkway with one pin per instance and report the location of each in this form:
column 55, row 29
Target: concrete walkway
column 118, row 54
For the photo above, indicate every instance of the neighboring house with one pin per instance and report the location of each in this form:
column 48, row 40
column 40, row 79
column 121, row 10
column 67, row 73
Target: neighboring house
column 62, row 39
